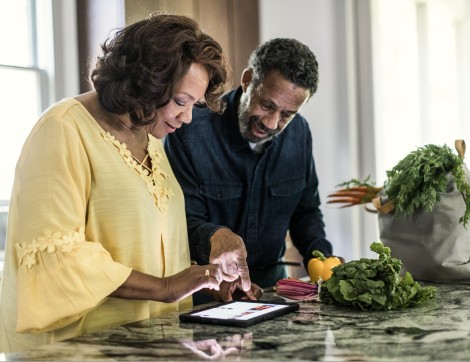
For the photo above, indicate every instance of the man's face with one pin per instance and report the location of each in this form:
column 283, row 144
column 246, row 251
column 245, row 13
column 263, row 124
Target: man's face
column 265, row 110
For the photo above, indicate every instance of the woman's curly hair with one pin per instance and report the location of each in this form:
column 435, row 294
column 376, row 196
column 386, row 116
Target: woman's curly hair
column 142, row 64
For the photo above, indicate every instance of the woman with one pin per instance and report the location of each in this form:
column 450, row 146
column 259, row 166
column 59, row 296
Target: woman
column 97, row 231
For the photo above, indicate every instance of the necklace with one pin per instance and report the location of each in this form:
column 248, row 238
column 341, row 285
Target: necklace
column 143, row 162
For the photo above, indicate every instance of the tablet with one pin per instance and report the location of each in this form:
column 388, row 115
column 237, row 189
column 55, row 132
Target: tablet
column 239, row 313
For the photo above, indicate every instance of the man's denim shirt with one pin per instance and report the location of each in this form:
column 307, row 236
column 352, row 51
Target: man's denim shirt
column 258, row 196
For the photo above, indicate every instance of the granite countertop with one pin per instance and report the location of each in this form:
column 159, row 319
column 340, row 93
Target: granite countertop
column 438, row 330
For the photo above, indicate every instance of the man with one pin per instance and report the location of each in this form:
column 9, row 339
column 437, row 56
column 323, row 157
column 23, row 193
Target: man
column 248, row 174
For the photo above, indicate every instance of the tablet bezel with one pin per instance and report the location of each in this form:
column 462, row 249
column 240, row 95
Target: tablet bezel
column 189, row 317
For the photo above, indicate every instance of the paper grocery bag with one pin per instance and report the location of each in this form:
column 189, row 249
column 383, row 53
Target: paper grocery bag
column 433, row 246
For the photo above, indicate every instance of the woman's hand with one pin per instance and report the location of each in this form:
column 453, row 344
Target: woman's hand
column 142, row 286
column 191, row 280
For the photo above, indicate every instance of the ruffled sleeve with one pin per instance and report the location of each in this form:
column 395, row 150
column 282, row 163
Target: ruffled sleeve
column 61, row 274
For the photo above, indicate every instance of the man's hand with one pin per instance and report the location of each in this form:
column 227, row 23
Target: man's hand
column 228, row 250
column 229, row 291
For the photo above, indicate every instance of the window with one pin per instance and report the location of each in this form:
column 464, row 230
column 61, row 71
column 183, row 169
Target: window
column 21, row 84
column 409, row 77
column 421, row 76
column 20, row 92
column 38, row 40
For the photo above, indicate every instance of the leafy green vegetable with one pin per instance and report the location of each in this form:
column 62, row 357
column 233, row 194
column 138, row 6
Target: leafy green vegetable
column 416, row 181
column 374, row 284
column 356, row 182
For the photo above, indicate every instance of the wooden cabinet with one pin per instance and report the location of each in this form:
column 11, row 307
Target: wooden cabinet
column 233, row 23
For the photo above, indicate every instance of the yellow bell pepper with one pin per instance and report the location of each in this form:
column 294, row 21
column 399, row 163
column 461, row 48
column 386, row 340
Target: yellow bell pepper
column 320, row 266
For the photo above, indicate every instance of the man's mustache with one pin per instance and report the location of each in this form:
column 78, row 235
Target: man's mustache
column 262, row 127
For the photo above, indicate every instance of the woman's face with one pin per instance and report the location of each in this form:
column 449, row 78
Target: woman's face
column 189, row 90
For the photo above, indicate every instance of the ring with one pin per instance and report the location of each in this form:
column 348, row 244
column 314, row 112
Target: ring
column 207, row 273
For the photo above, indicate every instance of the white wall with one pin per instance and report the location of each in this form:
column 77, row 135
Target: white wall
column 325, row 26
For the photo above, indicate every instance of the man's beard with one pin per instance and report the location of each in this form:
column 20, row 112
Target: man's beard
column 246, row 123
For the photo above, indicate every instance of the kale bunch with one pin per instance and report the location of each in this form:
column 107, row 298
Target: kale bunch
column 374, row 284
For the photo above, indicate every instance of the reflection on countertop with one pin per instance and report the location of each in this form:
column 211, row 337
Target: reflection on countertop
column 436, row 331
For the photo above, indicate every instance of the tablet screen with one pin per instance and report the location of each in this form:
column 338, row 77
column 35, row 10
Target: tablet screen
column 240, row 313
column 240, row 310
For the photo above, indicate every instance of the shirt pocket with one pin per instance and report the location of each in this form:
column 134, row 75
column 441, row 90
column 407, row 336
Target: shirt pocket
column 287, row 188
column 222, row 191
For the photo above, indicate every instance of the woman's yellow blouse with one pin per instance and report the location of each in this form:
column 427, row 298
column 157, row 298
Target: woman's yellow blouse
column 83, row 214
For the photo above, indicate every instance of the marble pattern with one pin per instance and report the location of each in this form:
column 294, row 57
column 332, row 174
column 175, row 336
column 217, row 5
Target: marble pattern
column 436, row 331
